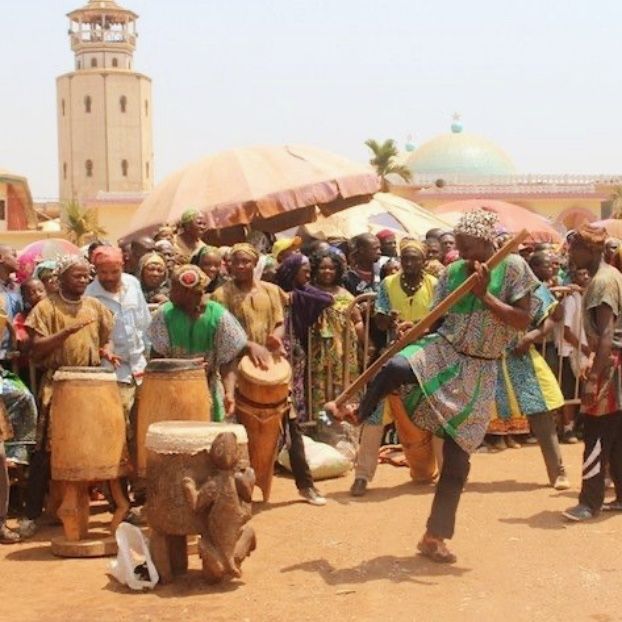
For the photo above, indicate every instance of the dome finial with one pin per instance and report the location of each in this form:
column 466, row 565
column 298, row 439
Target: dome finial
column 456, row 126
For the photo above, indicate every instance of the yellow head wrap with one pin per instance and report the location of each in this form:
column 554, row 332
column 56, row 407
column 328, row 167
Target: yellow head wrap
column 412, row 243
column 245, row 247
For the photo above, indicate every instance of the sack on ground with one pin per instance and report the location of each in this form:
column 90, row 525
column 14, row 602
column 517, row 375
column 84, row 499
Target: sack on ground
column 324, row 461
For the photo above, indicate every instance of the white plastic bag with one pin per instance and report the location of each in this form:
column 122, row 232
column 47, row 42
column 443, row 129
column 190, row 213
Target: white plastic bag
column 324, row 461
column 133, row 551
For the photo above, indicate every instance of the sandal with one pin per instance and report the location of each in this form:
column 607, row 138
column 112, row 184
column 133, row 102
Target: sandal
column 613, row 506
column 435, row 549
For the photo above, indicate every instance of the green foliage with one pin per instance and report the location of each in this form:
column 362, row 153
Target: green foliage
column 383, row 160
column 81, row 224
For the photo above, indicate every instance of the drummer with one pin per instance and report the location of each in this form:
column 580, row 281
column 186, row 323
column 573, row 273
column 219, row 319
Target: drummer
column 184, row 327
column 258, row 306
column 122, row 294
column 66, row 329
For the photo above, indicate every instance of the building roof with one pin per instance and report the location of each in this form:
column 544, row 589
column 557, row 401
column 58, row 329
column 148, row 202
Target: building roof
column 93, row 11
column 459, row 156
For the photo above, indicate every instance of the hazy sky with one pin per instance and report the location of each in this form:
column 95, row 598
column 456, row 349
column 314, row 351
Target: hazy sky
column 541, row 78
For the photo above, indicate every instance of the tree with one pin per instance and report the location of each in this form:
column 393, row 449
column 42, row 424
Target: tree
column 81, row 223
column 384, row 160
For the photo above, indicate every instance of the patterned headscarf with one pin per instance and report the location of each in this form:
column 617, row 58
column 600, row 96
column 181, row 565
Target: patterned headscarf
column 412, row 243
column 245, row 247
column 191, row 277
column 42, row 267
column 479, row 223
column 590, row 235
column 107, row 254
column 150, row 258
column 66, row 262
column 188, row 216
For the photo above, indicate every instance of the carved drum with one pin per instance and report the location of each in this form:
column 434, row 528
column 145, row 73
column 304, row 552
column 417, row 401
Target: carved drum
column 262, row 398
column 176, row 450
column 172, row 390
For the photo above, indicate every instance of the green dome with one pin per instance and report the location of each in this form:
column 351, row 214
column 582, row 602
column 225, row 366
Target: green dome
column 459, row 155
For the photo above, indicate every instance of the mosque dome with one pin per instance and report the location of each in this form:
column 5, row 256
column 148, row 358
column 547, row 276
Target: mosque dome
column 459, row 155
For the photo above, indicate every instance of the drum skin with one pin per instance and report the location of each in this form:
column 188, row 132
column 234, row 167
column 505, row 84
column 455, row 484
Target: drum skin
column 416, row 443
column 178, row 449
column 87, row 426
column 172, row 390
column 264, row 386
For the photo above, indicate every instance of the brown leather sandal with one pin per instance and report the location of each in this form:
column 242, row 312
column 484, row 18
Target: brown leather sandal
column 435, row 549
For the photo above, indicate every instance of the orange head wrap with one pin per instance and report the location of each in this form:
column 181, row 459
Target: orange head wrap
column 107, row 254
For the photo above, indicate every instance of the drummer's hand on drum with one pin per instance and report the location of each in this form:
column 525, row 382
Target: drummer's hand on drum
column 107, row 354
column 229, row 404
column 275, row 345
column 259, row 355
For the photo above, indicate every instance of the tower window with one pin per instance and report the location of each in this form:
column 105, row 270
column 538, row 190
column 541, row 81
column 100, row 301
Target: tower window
column 115, row 62
column 62, row 106
column 93, row 62
column 146, row 107
column 147, row 170
column 79, row 64
column 87, row 104
column 124, row 167
column 64, row 170
column 2, row 209
column 88, row 165
column 123, row 103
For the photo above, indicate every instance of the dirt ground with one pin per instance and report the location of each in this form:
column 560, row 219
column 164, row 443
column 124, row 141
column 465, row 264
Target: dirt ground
column 355, row 559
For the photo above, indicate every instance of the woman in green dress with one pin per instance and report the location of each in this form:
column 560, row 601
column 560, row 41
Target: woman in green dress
column 184, row 327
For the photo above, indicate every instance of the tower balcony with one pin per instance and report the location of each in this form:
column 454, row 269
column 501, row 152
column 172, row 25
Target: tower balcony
column 101, row 37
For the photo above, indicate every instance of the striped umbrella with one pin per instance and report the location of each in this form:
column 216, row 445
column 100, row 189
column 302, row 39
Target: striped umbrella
column 42, row 250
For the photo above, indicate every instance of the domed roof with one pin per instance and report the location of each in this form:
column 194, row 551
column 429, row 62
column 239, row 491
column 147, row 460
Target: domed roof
column 459, row 155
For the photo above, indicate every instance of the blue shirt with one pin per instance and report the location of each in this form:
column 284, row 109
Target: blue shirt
column 13, row 304
column 131, row 320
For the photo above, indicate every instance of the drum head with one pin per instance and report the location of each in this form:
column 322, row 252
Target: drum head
column 189, row 437
column 85, row 374
column 172, row 365
column 279, row 372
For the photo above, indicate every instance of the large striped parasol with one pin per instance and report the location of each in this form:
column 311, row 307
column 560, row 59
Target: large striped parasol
column 41, row 250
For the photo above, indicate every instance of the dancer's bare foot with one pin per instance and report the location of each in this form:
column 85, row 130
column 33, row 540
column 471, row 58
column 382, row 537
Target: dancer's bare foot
column 434, row 548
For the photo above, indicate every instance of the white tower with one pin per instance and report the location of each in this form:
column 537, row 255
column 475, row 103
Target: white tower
column 104, row 107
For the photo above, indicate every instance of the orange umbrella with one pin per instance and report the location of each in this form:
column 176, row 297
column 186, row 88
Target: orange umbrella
column 266, row 185
column 613, row 226
column 512, row 217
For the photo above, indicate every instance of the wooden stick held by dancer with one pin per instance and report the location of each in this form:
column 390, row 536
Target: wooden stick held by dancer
column 425, row 324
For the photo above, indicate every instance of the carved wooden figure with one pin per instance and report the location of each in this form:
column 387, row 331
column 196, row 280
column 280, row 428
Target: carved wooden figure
column 199, row 482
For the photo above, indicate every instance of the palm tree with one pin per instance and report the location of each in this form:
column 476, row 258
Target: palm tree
column 81, row 223
column 384, row 160
column 616, row 202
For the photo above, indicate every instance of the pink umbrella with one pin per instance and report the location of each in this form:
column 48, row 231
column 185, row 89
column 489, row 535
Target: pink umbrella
column 42, row 250
column 512, row 217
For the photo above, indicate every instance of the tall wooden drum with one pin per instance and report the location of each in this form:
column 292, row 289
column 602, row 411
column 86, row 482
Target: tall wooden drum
column 262, row 398
column 88, row 438
column 172, row 390
column 199, row 482
column 87, row 426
